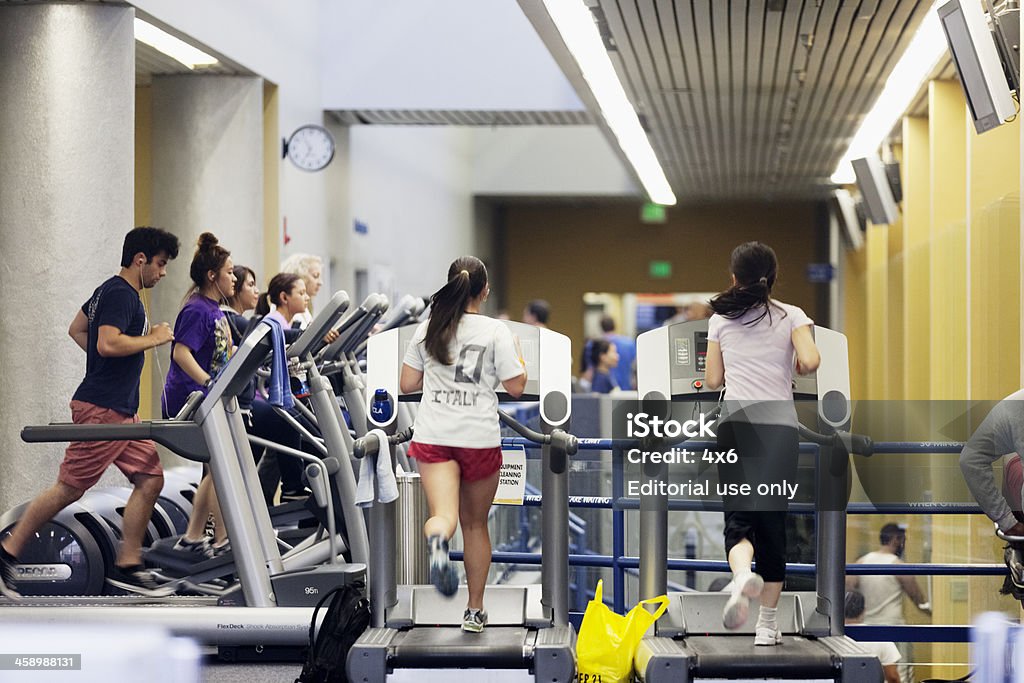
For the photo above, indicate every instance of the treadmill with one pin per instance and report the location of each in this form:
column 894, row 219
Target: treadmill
column 414, row 627
column 689, row 642
column 272, row 606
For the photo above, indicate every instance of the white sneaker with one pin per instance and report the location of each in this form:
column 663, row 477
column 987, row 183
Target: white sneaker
column 766, row 635
column 737, row 608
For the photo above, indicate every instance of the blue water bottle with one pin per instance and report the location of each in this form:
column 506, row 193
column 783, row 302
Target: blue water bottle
column 380, row 408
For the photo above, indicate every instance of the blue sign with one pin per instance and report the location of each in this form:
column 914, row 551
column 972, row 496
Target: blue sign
column 820, row 272
column 361, row 227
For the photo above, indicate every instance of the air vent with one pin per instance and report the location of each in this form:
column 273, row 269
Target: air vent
column 435, row 117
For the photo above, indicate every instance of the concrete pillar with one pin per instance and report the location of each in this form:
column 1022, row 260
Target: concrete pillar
column 207, row 156
column 66, row 201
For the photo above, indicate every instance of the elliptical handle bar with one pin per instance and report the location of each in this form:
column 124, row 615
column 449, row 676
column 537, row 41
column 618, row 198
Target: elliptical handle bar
column 858, row 444
column 365, row 446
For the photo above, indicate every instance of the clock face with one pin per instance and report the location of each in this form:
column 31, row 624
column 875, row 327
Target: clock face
column 311, row 148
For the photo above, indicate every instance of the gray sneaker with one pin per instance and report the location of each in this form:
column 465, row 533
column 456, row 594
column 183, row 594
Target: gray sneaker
column 442, row 573
column 474, row 620
column 8, row 575
column 201, row 547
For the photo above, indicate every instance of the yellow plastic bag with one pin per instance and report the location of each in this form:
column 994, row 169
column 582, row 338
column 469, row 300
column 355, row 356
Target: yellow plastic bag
column 607, row 642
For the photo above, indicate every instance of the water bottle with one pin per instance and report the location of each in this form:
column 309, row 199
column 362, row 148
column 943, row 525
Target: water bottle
column 380, row 408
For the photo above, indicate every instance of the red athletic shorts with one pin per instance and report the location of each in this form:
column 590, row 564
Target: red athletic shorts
column 475, row 463
column 86, row 461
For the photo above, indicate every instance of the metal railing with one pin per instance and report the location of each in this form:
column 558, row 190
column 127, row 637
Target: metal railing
column 622, row 564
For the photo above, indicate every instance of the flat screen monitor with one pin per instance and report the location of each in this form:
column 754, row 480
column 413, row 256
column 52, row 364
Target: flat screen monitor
column 977, row 62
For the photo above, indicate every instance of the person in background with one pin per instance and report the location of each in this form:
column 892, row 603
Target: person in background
column 604, row 358
column 586, row 373
column 284, row 299
column 883, row 594
column 113, row 331
column 624, row 371
column 241, row 299
column 537, row 313
column 201, row 348
column 698, row 310
column 680, row 316
column 310, row 269
column 886, row 652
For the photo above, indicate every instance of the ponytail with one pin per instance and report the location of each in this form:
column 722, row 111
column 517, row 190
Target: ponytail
column 263, row 304
column 282, row 283
column 467, row 278
column 755, row 268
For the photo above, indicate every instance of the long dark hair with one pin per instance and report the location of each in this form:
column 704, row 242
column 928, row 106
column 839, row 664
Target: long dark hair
column 598, row 347
column 282, row 283
column 242, row 273
column 467, row 277
column 755, row 267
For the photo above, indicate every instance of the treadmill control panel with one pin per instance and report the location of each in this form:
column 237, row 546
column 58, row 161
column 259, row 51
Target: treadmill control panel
column 547, row 358
column 687, row 344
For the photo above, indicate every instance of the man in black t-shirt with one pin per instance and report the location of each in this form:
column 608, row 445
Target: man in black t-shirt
column 111, row 327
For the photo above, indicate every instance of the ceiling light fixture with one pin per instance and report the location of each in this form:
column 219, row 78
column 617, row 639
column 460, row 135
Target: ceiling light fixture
column 171, row 46
column 580, row 35
column 924, row 52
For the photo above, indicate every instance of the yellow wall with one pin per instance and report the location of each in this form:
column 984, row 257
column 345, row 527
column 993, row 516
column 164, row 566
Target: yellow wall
column 271, row 182
column 935, row 301
column 895, row 347
column 948, row 230
column 993, row 312
column 916, row 173
column 877, row 314
column 143, row 216
column 948, row 355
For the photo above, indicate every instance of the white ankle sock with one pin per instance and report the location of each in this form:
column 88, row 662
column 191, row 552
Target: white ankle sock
column 768, row 618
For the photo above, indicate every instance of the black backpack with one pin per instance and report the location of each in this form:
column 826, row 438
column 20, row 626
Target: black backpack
column 348, row 615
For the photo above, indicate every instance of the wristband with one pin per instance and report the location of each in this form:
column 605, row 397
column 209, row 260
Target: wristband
column 209, row 383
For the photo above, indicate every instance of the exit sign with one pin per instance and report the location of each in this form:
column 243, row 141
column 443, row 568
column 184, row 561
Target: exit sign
column 660, row 270
column 652, row 213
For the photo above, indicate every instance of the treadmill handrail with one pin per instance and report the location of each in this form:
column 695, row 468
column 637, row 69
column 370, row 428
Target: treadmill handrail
column 558, row 437
column 858, row 444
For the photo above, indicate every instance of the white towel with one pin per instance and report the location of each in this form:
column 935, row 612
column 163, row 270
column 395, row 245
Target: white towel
column 377, row 472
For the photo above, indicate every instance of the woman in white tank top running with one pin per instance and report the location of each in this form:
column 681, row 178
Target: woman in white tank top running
column 752, row 340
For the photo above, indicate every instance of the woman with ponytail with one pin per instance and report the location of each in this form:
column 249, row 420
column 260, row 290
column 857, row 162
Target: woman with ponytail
column 754, row 345
column 457, row 358
column 286, row 297
column 201, row 348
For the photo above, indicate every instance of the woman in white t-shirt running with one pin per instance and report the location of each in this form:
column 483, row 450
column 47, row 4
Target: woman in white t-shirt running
column 752, row 339
column 457, row 358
